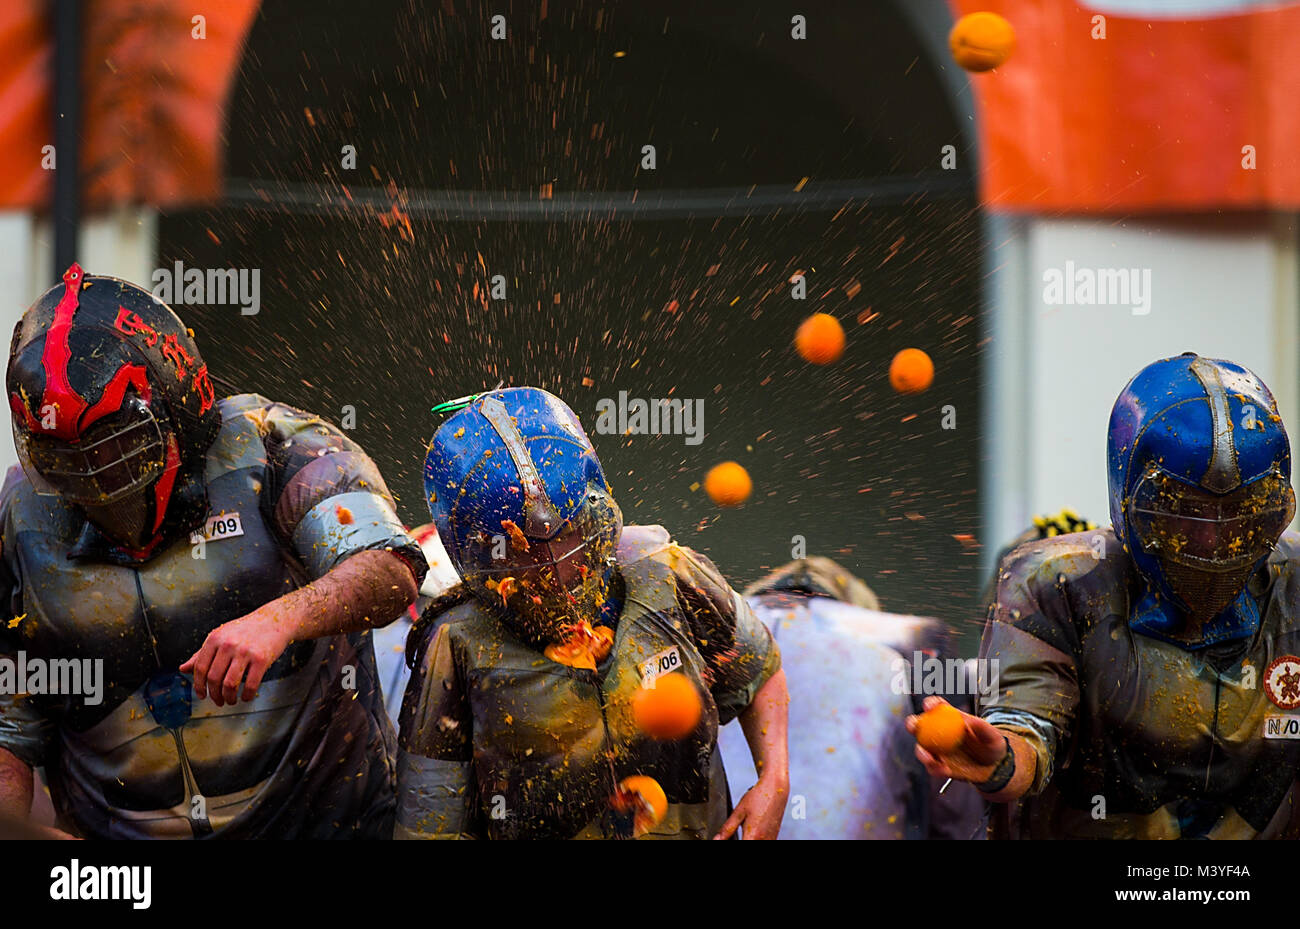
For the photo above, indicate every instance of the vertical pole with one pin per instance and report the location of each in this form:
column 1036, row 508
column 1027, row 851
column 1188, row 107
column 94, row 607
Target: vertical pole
column 66, row 207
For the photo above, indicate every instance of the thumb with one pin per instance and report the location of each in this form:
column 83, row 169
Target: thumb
column 985, row 741
column 731, row 825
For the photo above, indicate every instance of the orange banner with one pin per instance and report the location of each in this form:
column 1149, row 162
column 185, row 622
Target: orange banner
column 1159, row 115
column 153, row 97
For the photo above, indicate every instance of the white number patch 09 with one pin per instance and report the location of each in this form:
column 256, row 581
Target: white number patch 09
column 225, row 526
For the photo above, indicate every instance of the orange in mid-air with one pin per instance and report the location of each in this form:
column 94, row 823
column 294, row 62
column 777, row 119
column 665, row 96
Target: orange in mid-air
column 911, row 371
column 820, row 339
column 940, row 729
column 728, row 484
column 982, row 41
column 644, row 798
column 670, row 709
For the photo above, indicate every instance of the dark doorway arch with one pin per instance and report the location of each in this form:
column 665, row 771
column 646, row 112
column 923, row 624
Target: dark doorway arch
column 375, row 297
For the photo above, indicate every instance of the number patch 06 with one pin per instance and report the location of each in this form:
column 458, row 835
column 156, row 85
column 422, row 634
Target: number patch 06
column 666, row 661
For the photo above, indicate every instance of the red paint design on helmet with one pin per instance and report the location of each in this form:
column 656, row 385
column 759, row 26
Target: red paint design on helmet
column 163, row 489
column 115, row 394
column 58, row 391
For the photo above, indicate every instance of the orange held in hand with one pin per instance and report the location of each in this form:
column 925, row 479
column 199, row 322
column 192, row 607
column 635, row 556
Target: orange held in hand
column 670, row 709
column 728, row 484
column 644, row 798
column 820, row 339
column 911, row 371
column 982, row 41
column 941, row 729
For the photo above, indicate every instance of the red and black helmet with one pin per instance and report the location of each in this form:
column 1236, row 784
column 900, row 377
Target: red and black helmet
column 109, row 394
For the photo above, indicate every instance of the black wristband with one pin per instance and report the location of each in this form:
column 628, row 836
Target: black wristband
column 1002, row 774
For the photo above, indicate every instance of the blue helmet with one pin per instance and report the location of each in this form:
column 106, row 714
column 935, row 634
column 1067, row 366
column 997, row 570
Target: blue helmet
column 1200, row 480
column 522, row 505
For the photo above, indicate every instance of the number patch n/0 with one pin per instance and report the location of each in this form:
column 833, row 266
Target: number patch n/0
column 1282, row 727
column 668, row 660
column 225, row 526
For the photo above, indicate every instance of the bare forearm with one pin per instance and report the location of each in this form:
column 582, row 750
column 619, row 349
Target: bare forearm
column 367, row 591
column 15, row 786
column 764, row 723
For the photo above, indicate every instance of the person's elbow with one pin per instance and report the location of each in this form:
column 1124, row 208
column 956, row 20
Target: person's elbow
column 390, row 580
column 405, row 587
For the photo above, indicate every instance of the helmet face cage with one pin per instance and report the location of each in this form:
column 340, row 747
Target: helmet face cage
column 116, row 457
column 1208, row 544
column 549, row 585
